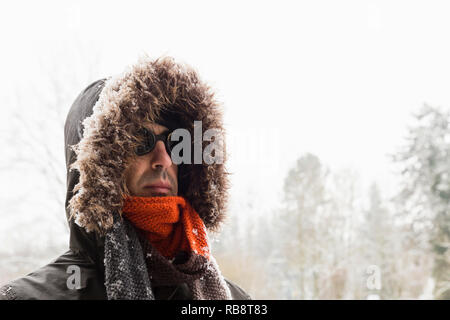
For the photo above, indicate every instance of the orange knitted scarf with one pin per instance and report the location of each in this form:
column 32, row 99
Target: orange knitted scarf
column 169, row 223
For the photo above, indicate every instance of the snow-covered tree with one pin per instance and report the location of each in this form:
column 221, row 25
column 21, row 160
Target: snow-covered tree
column 302, row 225
column 425, row 193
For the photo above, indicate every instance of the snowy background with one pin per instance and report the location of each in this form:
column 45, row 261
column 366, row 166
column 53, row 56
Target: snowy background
column 337, row 120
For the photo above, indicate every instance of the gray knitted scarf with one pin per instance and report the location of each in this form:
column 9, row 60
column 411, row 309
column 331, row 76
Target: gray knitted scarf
column 133, row 267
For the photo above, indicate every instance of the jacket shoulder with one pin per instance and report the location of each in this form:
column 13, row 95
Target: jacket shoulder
column 69, row 277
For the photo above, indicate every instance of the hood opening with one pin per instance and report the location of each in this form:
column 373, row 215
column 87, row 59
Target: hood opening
column 102, row 126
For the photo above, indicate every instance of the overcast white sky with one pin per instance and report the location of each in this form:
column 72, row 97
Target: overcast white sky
column 335, row 78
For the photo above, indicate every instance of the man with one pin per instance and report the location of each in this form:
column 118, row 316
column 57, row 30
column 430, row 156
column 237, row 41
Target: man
column 137, row 220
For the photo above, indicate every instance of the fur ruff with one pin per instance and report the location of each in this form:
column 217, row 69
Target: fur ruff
column 145, row 93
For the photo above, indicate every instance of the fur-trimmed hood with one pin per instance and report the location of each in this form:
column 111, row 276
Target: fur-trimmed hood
column 101, row 133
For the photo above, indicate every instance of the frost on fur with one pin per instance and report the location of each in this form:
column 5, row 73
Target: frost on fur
column 144, row 92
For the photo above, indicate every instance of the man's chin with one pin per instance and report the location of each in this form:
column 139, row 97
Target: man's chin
column 158, row 194
column 161, row 195
column 150, row 193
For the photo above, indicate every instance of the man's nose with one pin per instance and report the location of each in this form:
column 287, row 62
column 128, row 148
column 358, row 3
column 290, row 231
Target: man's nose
column 160, row 157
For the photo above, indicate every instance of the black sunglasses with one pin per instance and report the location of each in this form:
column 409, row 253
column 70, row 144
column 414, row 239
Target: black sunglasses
column 150, row 140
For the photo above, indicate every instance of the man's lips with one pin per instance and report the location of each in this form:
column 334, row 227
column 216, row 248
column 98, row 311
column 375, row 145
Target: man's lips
column 158, row 187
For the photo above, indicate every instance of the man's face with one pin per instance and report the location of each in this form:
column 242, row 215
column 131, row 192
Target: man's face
column 147, row 175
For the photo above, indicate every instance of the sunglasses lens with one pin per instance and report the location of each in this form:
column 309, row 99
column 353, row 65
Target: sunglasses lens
column 141, row 150
column 148, row 144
